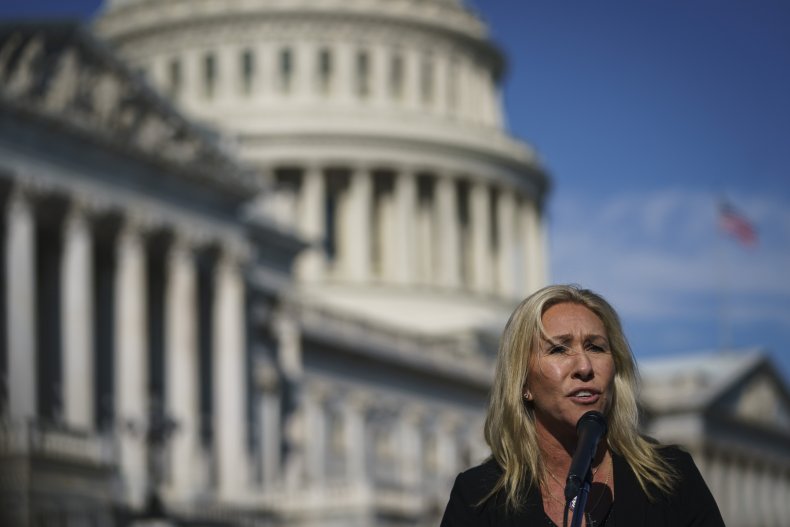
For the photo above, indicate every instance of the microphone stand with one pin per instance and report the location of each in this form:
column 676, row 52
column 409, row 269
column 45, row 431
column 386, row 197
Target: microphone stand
column 581, row 502
column 589, row 429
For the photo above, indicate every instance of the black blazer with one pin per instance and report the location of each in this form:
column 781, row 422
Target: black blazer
column 691, row 504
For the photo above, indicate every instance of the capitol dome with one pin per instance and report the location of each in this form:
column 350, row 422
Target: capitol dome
column 377, row 126
column 295, row 324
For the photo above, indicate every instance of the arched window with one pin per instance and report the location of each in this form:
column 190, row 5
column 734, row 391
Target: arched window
column 286, row 68
column 363, row 74
column 453, row 81
column 426, row 80
column 174, row 78
column 325, row 71
column 396, row 76
column 247, row 71
column 209, row 75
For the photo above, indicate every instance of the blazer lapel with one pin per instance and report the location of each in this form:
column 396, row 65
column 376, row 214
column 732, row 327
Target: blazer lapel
column 630, row 503
column 530, row 514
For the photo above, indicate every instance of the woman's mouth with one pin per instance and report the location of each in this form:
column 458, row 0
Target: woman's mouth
column 585, row 396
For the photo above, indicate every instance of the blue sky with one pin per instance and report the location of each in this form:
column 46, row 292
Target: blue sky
column 645, row 114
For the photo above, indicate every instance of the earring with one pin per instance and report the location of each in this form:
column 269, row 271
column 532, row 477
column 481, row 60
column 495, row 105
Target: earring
column 527, row 396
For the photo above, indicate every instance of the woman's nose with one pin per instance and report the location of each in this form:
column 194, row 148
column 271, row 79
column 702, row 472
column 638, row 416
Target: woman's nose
column 582, row 365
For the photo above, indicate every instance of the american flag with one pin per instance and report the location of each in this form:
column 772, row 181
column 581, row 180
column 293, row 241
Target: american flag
column 736, row 224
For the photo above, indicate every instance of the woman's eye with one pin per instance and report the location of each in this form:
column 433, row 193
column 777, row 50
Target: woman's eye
column 595, row 348
column 556, row 349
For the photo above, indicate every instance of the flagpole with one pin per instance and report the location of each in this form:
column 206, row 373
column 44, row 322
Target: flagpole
column 732, row 224
column 725, row 331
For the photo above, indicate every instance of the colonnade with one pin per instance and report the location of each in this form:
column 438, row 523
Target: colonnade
column 415, row 228
column 103, row 318
column 431, row 77
column 749, row 492
column 357, row 440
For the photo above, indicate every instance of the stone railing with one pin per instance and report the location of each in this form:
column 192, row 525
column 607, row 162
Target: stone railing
column 440, row 354
column 30, row 438
column 131, row 18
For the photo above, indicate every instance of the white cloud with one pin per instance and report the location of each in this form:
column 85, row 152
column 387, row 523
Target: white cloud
column 661, row 253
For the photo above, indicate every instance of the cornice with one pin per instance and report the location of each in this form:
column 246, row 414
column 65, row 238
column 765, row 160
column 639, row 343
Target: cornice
column 133, row 16
column 145, row 18
column 478, row 149
column 437, row 354
column 65, row 77
column 264, row 29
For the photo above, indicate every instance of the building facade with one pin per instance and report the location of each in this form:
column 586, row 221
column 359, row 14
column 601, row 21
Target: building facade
column 731, row 411
column 127, row 276
column 378, row 127
column 256, row 256
column 163, row 360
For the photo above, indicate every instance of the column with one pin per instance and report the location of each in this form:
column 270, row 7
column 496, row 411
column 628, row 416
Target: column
column 405, row 238
column 20, row 265
column 270, row 432
column 781, row 485
column 453, row 91
column 716, row 477
column 764, row 502
column 290, row 362
column 441, row 77
column 532, row 243
column 230, row 386
column 447, row 449
column 541, row 253
column 505, row 257
column 410, row 448
column 781, row 491
column 749, row 500
column 305, row 69
column 733, row 487
column 470, row 91
column 181, row 367
column 481, row 237
column 384, row 237
column 228, row 73
column 312, row 216
column 158, row 74
column 411, row 78
column 77, row 313
column 477, row 443
column 463, row 89
column 487, row 96
column 266, row 64
column 354, row 428
column 698, row 454
column 379, row 57
column 426, row 229
column 315, row 415
column 355, row 234
column 449, row 236
column 344, row 75
column 192, row 82
column 476, row 93
column 131, row 366
column 496, row 104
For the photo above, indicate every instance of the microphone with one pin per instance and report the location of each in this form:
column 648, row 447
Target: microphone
column 590, row 428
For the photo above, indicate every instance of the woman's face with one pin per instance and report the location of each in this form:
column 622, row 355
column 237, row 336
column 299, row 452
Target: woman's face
column 572, row 370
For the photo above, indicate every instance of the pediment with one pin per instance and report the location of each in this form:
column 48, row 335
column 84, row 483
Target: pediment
column 760, row 399
column 59, row 72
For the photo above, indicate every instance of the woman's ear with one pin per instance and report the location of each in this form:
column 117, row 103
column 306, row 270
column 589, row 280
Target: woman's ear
column 526, row 394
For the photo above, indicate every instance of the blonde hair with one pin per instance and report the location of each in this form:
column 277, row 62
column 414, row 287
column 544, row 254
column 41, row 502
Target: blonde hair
column 510, row 423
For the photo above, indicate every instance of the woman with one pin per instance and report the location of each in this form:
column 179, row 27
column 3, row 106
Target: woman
column 562, row 354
